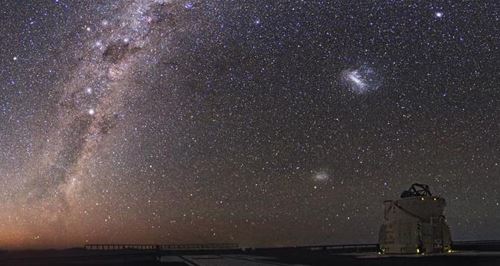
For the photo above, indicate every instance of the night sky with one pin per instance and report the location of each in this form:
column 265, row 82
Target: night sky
column 256, row 122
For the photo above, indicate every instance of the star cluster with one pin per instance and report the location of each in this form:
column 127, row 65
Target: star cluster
column 255, row 122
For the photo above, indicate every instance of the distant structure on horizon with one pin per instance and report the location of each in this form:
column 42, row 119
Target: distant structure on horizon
column 206, row 246
column 415, row 224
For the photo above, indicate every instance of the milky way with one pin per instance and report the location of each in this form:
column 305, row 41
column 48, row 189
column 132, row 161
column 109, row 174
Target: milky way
column 125, row 42
column 91, row 104
column 276, row 123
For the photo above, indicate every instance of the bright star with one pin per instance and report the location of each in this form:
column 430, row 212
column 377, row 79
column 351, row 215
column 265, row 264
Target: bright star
column 98, row 44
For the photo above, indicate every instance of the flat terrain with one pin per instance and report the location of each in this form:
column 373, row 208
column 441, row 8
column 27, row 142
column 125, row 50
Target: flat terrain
column 285, row 256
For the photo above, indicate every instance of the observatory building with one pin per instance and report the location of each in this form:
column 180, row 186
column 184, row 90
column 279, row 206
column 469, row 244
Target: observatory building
column 415, row 224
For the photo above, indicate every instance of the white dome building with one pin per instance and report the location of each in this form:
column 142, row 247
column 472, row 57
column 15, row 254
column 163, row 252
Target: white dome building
column 415, row 224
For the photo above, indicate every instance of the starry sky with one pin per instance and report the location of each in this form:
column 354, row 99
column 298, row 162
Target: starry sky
column 262, row 123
